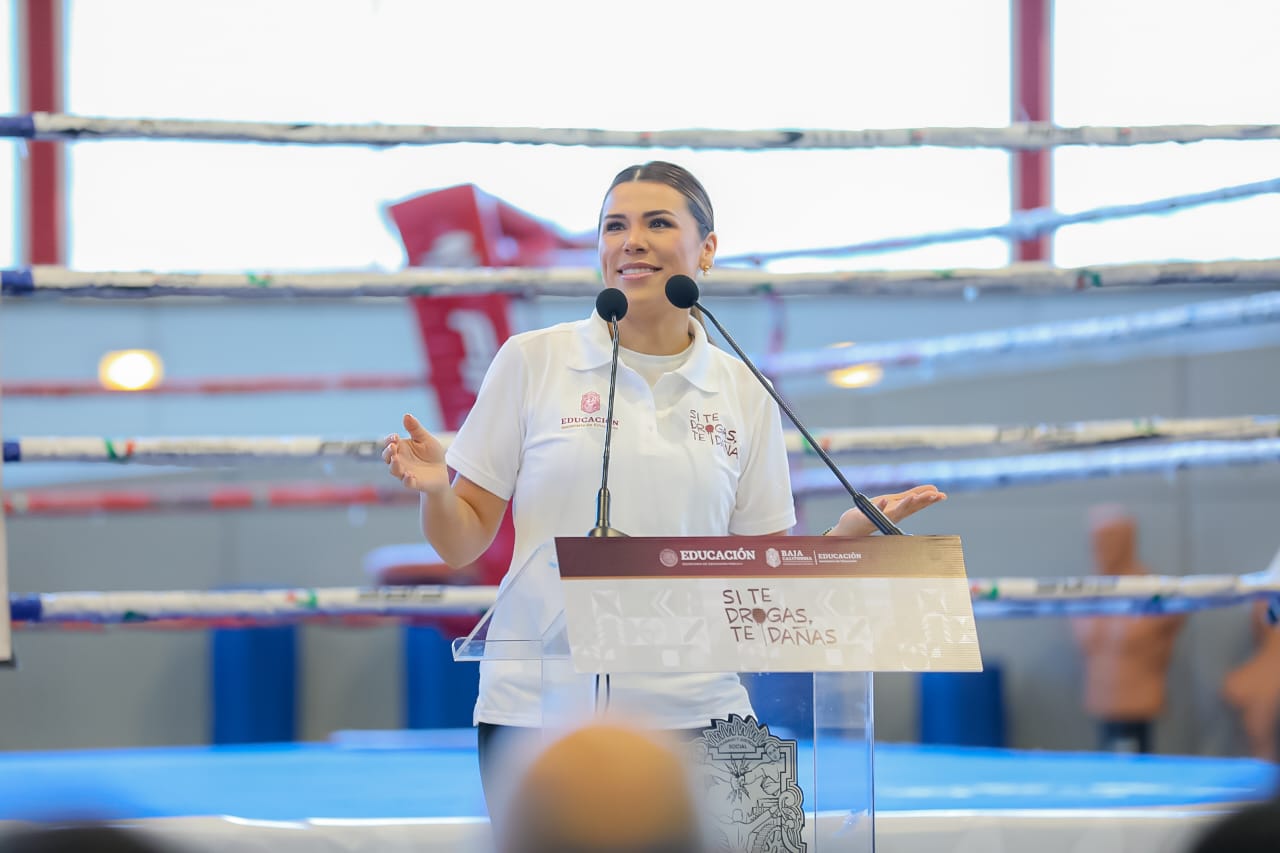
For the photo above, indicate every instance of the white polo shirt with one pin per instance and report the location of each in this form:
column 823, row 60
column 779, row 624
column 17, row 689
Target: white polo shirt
column 701, row 453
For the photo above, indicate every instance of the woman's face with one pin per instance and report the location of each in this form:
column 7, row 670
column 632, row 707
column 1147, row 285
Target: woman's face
column 647, row 235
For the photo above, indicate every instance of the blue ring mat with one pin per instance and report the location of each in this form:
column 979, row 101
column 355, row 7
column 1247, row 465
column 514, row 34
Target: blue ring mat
column 433, row 774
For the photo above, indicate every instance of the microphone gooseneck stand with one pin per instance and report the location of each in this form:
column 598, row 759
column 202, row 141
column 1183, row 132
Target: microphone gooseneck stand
column 611, row 305
column 682, row 291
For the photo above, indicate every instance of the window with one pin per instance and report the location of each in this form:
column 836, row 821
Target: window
column 1166, row 63
column 729, row 65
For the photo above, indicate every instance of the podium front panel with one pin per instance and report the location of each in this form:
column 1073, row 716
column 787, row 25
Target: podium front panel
column 768, row 604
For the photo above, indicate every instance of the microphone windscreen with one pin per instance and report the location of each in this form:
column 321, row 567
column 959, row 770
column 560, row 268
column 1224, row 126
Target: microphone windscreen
column 611, row 304
column 682, row 291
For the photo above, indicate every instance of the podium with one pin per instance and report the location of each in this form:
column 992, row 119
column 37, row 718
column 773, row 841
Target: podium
column 580, row 614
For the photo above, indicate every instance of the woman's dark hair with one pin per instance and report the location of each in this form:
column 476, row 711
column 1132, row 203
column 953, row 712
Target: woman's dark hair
column 682, row 181
column 679, row 179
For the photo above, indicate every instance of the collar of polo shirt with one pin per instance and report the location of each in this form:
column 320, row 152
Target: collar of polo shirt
column 595, row 349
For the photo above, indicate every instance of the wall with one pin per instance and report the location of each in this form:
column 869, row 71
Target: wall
column 134, row 686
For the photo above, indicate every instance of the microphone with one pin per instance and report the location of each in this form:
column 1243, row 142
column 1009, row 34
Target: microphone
column 611, row 305
column 682, row 292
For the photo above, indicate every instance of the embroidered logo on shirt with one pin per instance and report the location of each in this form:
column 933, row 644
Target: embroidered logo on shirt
column 590, row 405
column 708, row 428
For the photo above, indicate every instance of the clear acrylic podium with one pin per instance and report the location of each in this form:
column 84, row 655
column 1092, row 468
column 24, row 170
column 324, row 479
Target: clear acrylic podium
column 804, row 620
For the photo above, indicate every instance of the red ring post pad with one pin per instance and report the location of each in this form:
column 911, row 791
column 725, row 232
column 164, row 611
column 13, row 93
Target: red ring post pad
column 19, row 126
column 17, row 282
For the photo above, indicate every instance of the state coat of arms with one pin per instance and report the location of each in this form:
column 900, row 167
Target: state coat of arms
column 747, row 778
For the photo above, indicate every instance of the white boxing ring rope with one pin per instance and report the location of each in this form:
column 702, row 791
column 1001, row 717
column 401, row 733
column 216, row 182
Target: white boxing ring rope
column 977, row 438
column 953, row 475
column 1088, row 450
column 60, row 282
column 1019, row 136
column 992, row 598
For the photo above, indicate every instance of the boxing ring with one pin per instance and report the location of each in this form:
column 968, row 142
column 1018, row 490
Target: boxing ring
column 392, row 790
column 419, row 791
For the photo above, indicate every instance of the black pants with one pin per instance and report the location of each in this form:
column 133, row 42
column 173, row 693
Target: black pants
column 1130, row 736
column 492, row 743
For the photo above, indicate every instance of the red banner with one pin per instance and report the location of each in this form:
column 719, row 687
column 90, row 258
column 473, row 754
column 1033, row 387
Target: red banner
column 463, row 226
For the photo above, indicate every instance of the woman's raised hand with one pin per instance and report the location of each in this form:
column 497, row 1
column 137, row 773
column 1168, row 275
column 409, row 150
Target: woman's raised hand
column 416, row 461
column 896, row 507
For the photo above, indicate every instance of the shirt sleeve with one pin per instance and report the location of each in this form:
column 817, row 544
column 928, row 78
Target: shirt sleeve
column 764, row 503
column 488, row 447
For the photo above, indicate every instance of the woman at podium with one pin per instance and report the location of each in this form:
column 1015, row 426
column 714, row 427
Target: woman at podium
column 697, row 450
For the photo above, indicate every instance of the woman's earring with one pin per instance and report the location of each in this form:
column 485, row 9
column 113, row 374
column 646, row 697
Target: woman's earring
column 706, row 268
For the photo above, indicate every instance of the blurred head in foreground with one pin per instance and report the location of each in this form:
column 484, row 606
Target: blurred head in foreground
column 1253, row 829
column 77, row 838
column 603, row 789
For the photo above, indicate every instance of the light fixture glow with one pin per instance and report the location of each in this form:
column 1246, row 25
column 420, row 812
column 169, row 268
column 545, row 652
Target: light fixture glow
column 130, row 370
column 856, row 375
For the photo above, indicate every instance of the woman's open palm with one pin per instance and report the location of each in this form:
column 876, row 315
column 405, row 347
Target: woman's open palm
column 416, row 461
column 896, row 507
